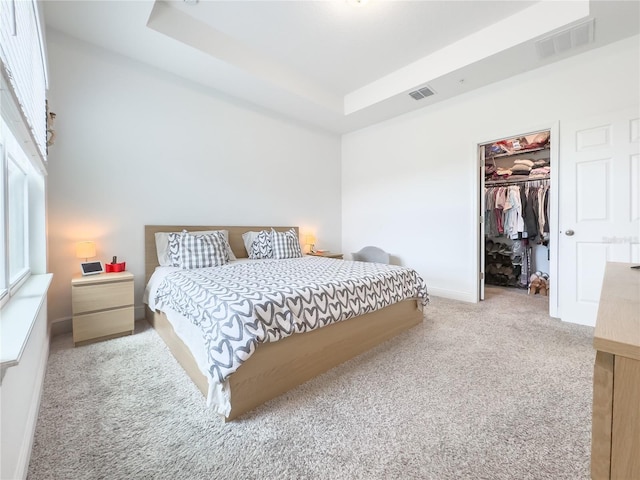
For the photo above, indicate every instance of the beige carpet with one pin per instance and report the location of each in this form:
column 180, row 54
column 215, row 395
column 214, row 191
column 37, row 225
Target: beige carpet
column 496, row 390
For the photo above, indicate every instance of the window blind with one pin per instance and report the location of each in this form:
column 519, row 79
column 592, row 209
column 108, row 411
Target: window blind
column 23, row 62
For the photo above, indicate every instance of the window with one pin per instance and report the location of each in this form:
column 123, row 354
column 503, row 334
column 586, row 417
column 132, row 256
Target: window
column 23, row 169
column 3, row 224
column 23, row 155
column 17, row 202
column 16, row 175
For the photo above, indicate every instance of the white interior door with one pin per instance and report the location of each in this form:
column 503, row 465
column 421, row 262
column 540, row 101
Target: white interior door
column 599, row 206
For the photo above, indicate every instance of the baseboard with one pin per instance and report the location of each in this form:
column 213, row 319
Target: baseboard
column 60, row 326
column 452, row 294
column 579, row 322
column 32, row 419
column 140, row 312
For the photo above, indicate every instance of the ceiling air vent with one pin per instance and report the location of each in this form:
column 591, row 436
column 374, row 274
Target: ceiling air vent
column 421, row 93
column 573, row 37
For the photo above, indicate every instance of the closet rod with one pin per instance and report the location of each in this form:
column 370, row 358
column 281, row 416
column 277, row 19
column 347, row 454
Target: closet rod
column 499, row 183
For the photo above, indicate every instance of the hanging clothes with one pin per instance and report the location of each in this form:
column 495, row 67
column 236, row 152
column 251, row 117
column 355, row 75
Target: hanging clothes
column 516, row 215
column 531, row 215
column 517, row 211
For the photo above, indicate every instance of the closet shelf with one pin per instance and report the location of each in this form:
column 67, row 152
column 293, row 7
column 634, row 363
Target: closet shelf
column 518, row 152
column 516, row 182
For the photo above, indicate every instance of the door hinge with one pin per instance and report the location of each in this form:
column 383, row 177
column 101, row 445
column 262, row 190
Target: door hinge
column 481, row 275
column 481, row 219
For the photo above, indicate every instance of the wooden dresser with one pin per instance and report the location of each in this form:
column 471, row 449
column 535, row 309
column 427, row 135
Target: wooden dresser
column 615, row 437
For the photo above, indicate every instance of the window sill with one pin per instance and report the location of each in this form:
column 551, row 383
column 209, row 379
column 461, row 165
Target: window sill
column 18, row 316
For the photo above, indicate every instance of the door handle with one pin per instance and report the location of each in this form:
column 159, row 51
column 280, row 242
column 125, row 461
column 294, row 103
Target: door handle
column 569, row 233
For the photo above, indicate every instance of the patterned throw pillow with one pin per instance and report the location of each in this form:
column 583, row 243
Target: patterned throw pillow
column 173, row 248
column 261, row 246
column 162, row 246
column 198, row 250
column 285, row 244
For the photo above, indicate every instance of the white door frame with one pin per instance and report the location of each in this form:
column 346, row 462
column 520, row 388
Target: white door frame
column 554, row 234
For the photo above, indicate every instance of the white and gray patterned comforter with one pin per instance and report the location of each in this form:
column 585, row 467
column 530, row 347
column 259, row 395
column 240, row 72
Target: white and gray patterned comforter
column 238, row 306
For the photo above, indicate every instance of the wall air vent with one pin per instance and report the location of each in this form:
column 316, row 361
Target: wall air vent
column 421, row 93
column 573, row 37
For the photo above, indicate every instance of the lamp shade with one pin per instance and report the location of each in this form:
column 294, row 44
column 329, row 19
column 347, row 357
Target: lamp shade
column 310, row 240
column 86, row 249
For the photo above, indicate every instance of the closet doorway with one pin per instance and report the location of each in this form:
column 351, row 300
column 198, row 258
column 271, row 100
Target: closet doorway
column 516, row 214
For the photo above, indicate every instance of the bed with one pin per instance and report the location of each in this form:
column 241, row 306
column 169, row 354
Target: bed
column 276, row 367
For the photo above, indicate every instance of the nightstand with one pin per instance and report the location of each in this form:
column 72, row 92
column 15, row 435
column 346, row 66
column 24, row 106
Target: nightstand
column 326, row 255
column 102, row 306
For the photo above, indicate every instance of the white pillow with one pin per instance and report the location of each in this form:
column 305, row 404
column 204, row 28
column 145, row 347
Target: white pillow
column 162, row 246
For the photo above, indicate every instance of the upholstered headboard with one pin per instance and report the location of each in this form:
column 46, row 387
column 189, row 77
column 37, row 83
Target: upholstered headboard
column 235, row 240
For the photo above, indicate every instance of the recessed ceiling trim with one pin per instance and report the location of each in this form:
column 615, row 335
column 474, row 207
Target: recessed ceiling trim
column 244, row 82
column 190, row 31
column 530, row 23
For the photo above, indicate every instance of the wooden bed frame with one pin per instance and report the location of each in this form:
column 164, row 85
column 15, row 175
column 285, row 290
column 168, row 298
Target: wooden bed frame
column 277, row 367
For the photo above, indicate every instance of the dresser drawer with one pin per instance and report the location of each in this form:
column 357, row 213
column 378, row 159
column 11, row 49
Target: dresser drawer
column 91, row 298
column 101, row 324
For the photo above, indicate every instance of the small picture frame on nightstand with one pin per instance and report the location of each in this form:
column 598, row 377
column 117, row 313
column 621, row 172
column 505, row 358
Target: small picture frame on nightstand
column 91, row 268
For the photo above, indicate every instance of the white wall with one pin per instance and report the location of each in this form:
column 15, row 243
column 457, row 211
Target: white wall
column 410, row 186
column 136, row 146
column 20, row 392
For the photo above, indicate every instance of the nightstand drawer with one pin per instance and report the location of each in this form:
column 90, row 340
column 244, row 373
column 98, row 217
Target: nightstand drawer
column 101, row 324
column 91, row 298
